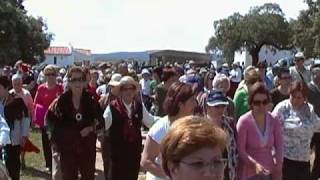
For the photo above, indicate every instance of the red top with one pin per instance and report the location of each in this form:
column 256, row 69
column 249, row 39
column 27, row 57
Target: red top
column 45, row 96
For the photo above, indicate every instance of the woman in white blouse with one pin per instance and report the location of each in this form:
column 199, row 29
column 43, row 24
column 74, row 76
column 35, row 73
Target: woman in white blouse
column 299, row 123
column 179, row 102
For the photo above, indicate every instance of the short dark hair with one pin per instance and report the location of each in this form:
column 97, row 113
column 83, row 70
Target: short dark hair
column 258, row 88
column 5, row 82
column 299, row 86
column 178, row 92
column 283, row 70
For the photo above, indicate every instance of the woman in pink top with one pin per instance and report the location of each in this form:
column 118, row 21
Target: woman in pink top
column 259, row 142
column 46, row 93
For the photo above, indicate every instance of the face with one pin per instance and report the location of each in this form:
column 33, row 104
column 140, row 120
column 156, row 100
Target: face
column 187, row 108
column 285, row 79
column 115, row 90
column 259, row 103
column 94, row 77
column 17, row 85
column 77, row 82
column 205, row 164
column 297, row 99
column 128, row 92
column 316, row 77
column 50, row 76
column 299, row 62
column 215, row 111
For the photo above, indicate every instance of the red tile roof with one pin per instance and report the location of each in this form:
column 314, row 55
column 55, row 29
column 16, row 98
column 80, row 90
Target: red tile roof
column 58, row 50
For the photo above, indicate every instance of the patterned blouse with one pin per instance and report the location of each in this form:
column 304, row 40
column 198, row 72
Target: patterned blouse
column 231, row 153
column 298, row 126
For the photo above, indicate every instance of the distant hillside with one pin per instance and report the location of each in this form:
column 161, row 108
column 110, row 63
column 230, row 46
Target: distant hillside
column 142, row 56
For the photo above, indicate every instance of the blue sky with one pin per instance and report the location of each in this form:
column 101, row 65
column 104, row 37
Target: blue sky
column 136, row 25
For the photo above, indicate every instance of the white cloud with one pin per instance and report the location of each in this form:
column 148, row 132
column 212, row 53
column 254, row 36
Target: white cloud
column 132, row 25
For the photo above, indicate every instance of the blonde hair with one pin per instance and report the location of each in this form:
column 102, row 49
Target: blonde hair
column 187, row 135
column 50, row 68
column 218, row 81
column 251, row 75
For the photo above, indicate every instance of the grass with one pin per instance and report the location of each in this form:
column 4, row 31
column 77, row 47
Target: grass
column 35, row 163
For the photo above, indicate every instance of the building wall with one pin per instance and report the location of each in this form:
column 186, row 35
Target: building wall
column 61, row 60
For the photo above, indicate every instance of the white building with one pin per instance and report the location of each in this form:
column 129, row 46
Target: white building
column 60, row 56
column 265, row 54
column 64, row 56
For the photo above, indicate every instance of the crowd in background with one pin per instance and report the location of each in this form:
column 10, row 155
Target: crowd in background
column 175, row 121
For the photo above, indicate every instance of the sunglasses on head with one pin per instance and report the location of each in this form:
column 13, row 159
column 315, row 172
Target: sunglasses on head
column 76, row 79
column 259, row 103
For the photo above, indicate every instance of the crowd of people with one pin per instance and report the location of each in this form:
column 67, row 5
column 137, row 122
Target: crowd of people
column 178, row 121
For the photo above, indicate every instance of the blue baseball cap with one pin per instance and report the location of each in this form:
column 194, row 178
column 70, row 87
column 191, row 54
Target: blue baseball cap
column 216, row 97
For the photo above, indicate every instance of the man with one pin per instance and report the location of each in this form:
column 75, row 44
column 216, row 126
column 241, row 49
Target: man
column 23, row 93
column 313, row 98
column 235, row 78
column 281, row 92
column 299, row 71
column 262, row 67
column 123, row 118
column 145, row 84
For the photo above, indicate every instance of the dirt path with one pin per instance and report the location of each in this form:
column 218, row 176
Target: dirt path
column 99, row 165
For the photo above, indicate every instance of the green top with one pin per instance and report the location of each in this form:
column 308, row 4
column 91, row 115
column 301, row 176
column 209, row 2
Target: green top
column 153, row 85
column 240, row 101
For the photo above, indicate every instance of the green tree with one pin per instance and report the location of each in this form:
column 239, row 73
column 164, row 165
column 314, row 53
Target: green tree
column 21, row 36
column 307, row 29
column 262, row 25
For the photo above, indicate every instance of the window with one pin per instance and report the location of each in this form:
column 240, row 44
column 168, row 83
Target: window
column 54, row 60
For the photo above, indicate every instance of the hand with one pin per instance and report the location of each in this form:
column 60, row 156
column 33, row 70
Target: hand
column 261, row 170
column 85, row 131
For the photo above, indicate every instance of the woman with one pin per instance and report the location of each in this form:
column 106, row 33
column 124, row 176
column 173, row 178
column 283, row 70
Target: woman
column 241, row 96
column 208, row 78
column 192, row 150
column 169, row 76
column 299, row 122
column 17, row 116
column 216, row 105
column 180, row 101
column 71, row 122
column 46, row 93
column 259, row 139
column 124, row 117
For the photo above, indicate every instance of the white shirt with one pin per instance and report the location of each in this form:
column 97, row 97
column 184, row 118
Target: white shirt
column 147, row 119
column 102, row 90
column 4, row 131
column 235, row 75
column 145, row 86
column 156, row 133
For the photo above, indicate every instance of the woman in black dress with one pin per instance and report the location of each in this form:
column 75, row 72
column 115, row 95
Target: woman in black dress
column 72, row 121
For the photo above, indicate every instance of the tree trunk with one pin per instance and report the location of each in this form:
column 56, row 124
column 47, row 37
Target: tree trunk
column 255, row 56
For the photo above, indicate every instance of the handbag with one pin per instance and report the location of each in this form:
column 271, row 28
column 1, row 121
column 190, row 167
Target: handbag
column 39, row 114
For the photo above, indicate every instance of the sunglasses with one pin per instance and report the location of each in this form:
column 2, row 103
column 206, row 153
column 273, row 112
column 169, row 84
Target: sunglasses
column 73, row 80
column 286, row 78
column 50, row 74
column 128, row 88
column 259, row 103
